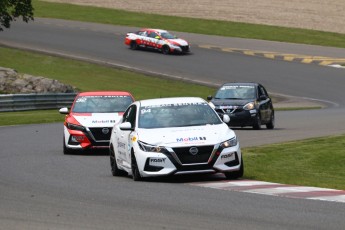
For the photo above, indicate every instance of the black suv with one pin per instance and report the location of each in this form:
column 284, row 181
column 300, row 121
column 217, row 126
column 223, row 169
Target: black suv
column 247, row 104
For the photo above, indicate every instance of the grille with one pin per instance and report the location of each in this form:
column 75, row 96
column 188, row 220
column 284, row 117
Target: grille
column 185, row 48
column 99, row 135
column 238, row 110
column 203, row 155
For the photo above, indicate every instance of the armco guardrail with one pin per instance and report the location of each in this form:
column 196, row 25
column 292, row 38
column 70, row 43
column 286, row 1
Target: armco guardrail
column 22, row 102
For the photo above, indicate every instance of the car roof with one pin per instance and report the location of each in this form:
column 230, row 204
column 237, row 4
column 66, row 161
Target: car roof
column 105, row 93
column 241, row 83
column 171, row 100
column 155, row 30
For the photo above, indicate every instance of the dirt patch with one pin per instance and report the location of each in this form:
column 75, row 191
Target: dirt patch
column 309, row 14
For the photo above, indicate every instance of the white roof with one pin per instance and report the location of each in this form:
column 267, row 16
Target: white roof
column 171, row 100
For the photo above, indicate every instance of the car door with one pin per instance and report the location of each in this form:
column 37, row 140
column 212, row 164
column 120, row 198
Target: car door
column 153, row 39
column 264, row 102
column 125, row 136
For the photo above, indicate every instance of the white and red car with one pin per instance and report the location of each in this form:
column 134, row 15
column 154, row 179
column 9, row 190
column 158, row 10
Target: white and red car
column 157, row 39
column 173, row 136
column 89, row 123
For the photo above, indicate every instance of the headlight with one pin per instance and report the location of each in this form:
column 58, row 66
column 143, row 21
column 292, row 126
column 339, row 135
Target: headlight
column 229, row 143
column 174, row 46
column 249, row 106
column 75, row 127
column 152, row 148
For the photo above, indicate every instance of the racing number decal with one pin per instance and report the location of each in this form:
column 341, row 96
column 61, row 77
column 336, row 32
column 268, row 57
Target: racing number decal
column 151, row 42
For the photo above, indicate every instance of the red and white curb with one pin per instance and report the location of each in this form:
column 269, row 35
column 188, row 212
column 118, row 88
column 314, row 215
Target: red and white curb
column 275, row 189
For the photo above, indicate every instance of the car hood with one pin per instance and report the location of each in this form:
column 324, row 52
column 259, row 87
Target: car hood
column 97, row 119
column 230, row 102
column 186, row 136
column 178, row 42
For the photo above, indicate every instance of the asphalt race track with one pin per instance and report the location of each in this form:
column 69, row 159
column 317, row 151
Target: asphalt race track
column 40, row 188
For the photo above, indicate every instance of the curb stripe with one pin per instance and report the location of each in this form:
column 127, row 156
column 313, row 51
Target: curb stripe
column 306, row 59
column 276, row 189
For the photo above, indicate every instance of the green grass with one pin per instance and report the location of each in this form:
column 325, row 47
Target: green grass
column 316, row 162
column 30, row 117
column 183, row 24
column 88, row 77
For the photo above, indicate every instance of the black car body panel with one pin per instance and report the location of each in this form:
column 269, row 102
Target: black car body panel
column 247, row 104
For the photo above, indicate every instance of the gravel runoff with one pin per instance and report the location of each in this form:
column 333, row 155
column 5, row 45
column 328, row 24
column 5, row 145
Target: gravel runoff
column 309, row 14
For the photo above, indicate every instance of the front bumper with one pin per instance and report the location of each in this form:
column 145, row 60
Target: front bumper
column 242, row 118
column 90, row 139
column 175, row 162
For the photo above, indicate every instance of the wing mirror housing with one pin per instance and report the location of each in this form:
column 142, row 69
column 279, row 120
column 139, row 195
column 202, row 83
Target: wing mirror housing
column 226, row 118
column 126, row 126
column 263, row 97
column 64, row 110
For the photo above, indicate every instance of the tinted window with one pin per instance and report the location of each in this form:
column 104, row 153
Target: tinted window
column 101, row 104
column 167, row 35
column 236, row 92
column 130, row 115
column 177, row 115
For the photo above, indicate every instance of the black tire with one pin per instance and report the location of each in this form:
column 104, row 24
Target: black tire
column 115, row 171
column 270, row 125
column 237, row 174
column 133, row 45
column 257, row 123
column 135, row 171
column 165, row 49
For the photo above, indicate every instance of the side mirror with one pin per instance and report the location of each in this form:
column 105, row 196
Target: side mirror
column 226, row 118
column 263, row 97
column 63, row 110
column 126, row 126
column 209, row 97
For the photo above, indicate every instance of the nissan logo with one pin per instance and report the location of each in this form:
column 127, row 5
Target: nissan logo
column 105, row 130
column 193, row 151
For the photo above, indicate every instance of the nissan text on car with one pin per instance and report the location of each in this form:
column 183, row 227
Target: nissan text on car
column 247, row 104
column 173, row 136
column 92, row 116
column 157, row 39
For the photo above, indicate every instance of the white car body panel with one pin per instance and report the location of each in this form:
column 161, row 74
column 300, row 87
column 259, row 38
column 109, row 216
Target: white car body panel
column 125, row 142
column 98, row 119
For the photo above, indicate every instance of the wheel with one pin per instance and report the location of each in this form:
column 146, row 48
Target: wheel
column 134, row 45
column 270, row 125
column 165, row 49
column 257, row 124
column 115, row 171
column 135, row 170
column 237, row 174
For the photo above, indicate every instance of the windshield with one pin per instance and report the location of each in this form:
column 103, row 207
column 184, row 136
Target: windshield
column 101, row 104
column 167, row 35
column 177, row 115
column 236, row 92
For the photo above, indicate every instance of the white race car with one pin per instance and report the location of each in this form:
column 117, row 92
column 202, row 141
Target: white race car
column 93, row 114
column 171, row 136
column 157, row 39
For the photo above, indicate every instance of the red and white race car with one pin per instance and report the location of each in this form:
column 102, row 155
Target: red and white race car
column 89, row 123
column 157, row 39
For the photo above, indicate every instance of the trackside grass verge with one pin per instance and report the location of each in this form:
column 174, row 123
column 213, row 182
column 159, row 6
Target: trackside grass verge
column 88, row 77
column 183, row 24
column 30, row 117
column 318, row 162
column 314, row 162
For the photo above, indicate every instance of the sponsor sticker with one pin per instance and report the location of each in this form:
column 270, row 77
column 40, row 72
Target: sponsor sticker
column 227, row 157
column 157, row 161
